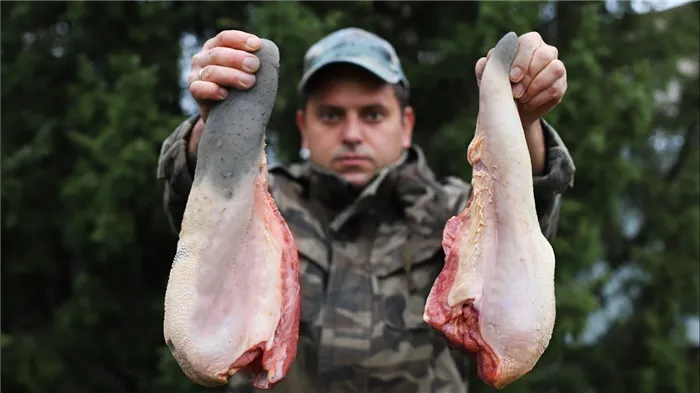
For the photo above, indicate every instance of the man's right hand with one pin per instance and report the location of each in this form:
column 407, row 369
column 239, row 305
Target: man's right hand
column 225, row 61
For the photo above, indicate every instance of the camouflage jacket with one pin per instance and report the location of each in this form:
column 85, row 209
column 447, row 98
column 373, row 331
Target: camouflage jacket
column 367, row 263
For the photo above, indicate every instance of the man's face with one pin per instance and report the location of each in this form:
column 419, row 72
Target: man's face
column 353, row 124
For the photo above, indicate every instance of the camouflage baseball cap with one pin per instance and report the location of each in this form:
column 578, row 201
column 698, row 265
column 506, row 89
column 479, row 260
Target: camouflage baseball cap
column 355, row 46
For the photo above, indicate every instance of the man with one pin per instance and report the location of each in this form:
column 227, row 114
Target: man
column 365, row 209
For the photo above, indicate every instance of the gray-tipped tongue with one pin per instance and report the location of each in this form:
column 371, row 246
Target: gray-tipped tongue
column 505, row 50
column 234, row 133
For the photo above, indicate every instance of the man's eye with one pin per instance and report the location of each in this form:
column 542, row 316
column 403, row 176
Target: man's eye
column 374, row 116
column 329, row 116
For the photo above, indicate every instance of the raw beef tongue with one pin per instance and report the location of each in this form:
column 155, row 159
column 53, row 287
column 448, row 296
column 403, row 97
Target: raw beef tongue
column 233, row 298
column 495, row 294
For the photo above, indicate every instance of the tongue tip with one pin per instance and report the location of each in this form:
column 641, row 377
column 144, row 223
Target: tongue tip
column 506, row 49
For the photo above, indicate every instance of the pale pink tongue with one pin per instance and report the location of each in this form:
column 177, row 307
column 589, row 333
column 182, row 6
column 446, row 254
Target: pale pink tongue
column 233, row 296
column 495, row 294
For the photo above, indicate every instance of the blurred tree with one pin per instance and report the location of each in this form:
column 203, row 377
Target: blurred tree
column 91, row 89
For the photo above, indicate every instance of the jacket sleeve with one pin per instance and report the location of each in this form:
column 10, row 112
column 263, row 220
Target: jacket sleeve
column 177, row 171
column 557, row 177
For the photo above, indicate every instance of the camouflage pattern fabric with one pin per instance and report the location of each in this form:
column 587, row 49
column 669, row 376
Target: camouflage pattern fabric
column 367, row 263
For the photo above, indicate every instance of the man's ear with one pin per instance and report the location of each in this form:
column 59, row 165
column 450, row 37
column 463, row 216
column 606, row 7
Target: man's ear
column 301, row 124
column 409, row 121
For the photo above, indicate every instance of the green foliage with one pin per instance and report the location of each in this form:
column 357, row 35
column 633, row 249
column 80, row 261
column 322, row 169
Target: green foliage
column 91, row 89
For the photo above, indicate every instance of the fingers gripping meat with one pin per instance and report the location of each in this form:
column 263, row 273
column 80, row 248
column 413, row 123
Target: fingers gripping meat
column 232, row 301
column 495, row 294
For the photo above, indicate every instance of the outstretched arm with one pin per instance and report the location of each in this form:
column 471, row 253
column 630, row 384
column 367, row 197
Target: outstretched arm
column 557, row 175
column 176, row 168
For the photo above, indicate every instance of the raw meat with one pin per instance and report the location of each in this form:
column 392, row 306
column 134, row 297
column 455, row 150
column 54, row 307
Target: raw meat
column 233, row 297
column 495, row 294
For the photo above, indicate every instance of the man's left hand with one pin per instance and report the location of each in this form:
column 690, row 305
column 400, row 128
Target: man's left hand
column 538, row 76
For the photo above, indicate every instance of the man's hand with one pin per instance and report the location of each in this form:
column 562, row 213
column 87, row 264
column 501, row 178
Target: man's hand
column 224, row 61
column 539, row 83
column 538, row 76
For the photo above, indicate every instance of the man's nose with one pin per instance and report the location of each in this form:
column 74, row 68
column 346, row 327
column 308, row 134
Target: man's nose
column 352, row 131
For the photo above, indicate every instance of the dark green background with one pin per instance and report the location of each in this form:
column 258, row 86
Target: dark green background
column 91, row 89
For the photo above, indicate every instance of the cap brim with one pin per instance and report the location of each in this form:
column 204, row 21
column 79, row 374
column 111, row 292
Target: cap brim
column 381, row 72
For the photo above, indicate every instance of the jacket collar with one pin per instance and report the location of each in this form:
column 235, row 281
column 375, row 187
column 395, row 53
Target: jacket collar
column 404, row 187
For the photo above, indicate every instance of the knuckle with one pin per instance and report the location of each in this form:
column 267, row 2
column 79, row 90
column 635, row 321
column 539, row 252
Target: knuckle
column 532, row 38
column 207, row 73
column 555, row 90
column 214, row 55
column 213, row 41
column 558, row 68
column 226, row 36
column 196, row 58
column 562, row 88
column 544, row 55
column 221, row 36
column 196, row 91
column 554, row 50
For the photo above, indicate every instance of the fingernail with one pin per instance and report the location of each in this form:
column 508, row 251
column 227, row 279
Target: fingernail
column 253, row 43
column 518, row 90
column 515, row 73
column 246, row 80
column 223, row 93
column 251, row 64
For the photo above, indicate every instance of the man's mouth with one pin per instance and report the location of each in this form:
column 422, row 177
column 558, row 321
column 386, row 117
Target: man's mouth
column 351, row 159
